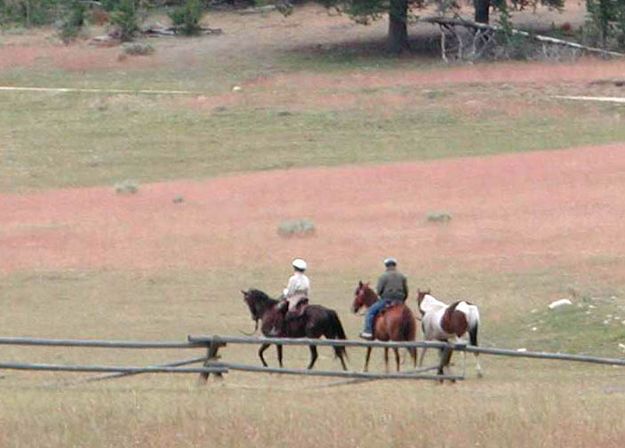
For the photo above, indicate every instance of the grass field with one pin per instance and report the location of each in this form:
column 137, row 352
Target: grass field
column 304, row 107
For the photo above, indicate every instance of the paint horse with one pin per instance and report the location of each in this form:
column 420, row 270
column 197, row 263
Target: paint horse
column 394, row 323
column 315, row 321
column 442, row 322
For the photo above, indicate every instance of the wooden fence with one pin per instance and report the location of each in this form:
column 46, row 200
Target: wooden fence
column 213, row 365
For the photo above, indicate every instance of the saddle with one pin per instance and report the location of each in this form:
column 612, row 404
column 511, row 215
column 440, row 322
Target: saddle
column 299, row 310
column 388, row 306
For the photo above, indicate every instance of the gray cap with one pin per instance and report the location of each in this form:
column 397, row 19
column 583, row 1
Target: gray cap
column 390, row 261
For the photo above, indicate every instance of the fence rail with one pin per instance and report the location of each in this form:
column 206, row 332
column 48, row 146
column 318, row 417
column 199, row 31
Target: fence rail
column 97, row 343
column 212, row 364
column 204, row 340
column 213, row 368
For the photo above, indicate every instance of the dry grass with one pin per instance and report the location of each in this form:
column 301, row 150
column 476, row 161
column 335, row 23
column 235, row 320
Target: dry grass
column 508, row 408
column 519, row 403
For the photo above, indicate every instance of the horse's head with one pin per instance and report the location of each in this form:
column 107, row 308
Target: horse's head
column 248, row 298
column 420, row 296
column 363, row 296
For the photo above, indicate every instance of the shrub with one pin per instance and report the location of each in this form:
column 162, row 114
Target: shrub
column 29, row 12
column 438, row 217
column 186, row 18
column 126, row 20
column 605, row 25
column 137, row 49
column 73, row 22
column 127, row 187
column 298, row 227
column 99, row 16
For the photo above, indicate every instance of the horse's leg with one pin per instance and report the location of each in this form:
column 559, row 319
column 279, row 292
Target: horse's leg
column 367, row 356
column 261, row 350
column 447, row 362
column 279, row 349
column 340, row 355
column 313, row 356
column 396, row 350
column 413, row 355
column 478, row 368
column 386, row 359
column 422, row 356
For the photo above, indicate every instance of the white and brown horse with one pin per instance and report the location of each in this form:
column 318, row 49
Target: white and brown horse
column 442, row 322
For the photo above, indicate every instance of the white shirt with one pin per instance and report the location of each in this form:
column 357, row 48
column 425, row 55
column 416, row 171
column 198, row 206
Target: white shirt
column 298, row 285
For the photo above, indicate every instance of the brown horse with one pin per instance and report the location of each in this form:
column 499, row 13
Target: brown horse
column 395, row 323
column 315, row 321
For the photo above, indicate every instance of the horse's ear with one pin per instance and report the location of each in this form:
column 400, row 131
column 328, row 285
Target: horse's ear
column 360, row 283
column 244, row 292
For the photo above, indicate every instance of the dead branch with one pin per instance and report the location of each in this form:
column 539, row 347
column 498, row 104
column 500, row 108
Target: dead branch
column 449, row 23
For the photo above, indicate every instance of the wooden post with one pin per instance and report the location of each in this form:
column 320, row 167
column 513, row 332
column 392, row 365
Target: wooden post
column 445, row 355
column 212, row 356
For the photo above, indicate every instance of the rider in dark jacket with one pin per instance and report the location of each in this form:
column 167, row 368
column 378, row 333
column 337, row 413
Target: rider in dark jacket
column 392, row 286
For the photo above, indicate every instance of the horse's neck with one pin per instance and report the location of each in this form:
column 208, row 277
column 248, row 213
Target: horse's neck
column 370, row 297
column 430, row 303
column 263, row 304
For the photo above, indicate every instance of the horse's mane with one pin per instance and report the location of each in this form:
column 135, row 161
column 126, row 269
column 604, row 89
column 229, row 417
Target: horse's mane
column 431, row 303
column 257, row 294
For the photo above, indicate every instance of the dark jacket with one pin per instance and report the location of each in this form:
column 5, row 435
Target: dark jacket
column 393, row 285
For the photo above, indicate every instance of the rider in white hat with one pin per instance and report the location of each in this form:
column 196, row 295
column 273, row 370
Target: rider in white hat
column 298, row 288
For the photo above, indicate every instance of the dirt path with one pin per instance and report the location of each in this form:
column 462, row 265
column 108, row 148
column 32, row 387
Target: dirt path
column 509, row 211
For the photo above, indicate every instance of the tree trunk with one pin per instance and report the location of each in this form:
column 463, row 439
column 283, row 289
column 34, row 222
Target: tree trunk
column 482, row 10
column 397, row 27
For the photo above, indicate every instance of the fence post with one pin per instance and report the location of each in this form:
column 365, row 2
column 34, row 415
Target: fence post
column 212, row 356
column 445, row 355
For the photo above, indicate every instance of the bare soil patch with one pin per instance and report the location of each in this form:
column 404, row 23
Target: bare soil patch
column 508, row 212
column 80, row 56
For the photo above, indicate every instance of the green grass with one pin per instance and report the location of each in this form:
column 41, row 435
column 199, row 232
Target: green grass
column 73, row 140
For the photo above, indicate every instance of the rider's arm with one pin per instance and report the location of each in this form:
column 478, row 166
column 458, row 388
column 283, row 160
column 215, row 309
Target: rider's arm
column 290, row 287
column 406, row 287
column 381, row 285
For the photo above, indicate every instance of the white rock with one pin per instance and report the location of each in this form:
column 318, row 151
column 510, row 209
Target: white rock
column 622, row 347
column 237, row 88
column 559, row 303
column 592, row 307
column 534, row 328
column 606, row 322
column 521, row 349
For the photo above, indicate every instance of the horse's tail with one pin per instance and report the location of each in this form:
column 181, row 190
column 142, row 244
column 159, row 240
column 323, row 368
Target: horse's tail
column 473, row 334
column 408, row 329
column 473, row 320
column 338, row 333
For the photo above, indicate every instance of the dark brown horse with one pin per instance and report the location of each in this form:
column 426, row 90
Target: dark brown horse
column 395, row 323
column 315, row 321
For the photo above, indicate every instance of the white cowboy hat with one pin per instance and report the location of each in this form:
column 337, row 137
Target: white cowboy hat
column 300, row 264
column 389, row 261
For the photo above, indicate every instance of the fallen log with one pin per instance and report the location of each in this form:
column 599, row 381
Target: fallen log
column 159, row 31
column 448, row 21
column 258, row 10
